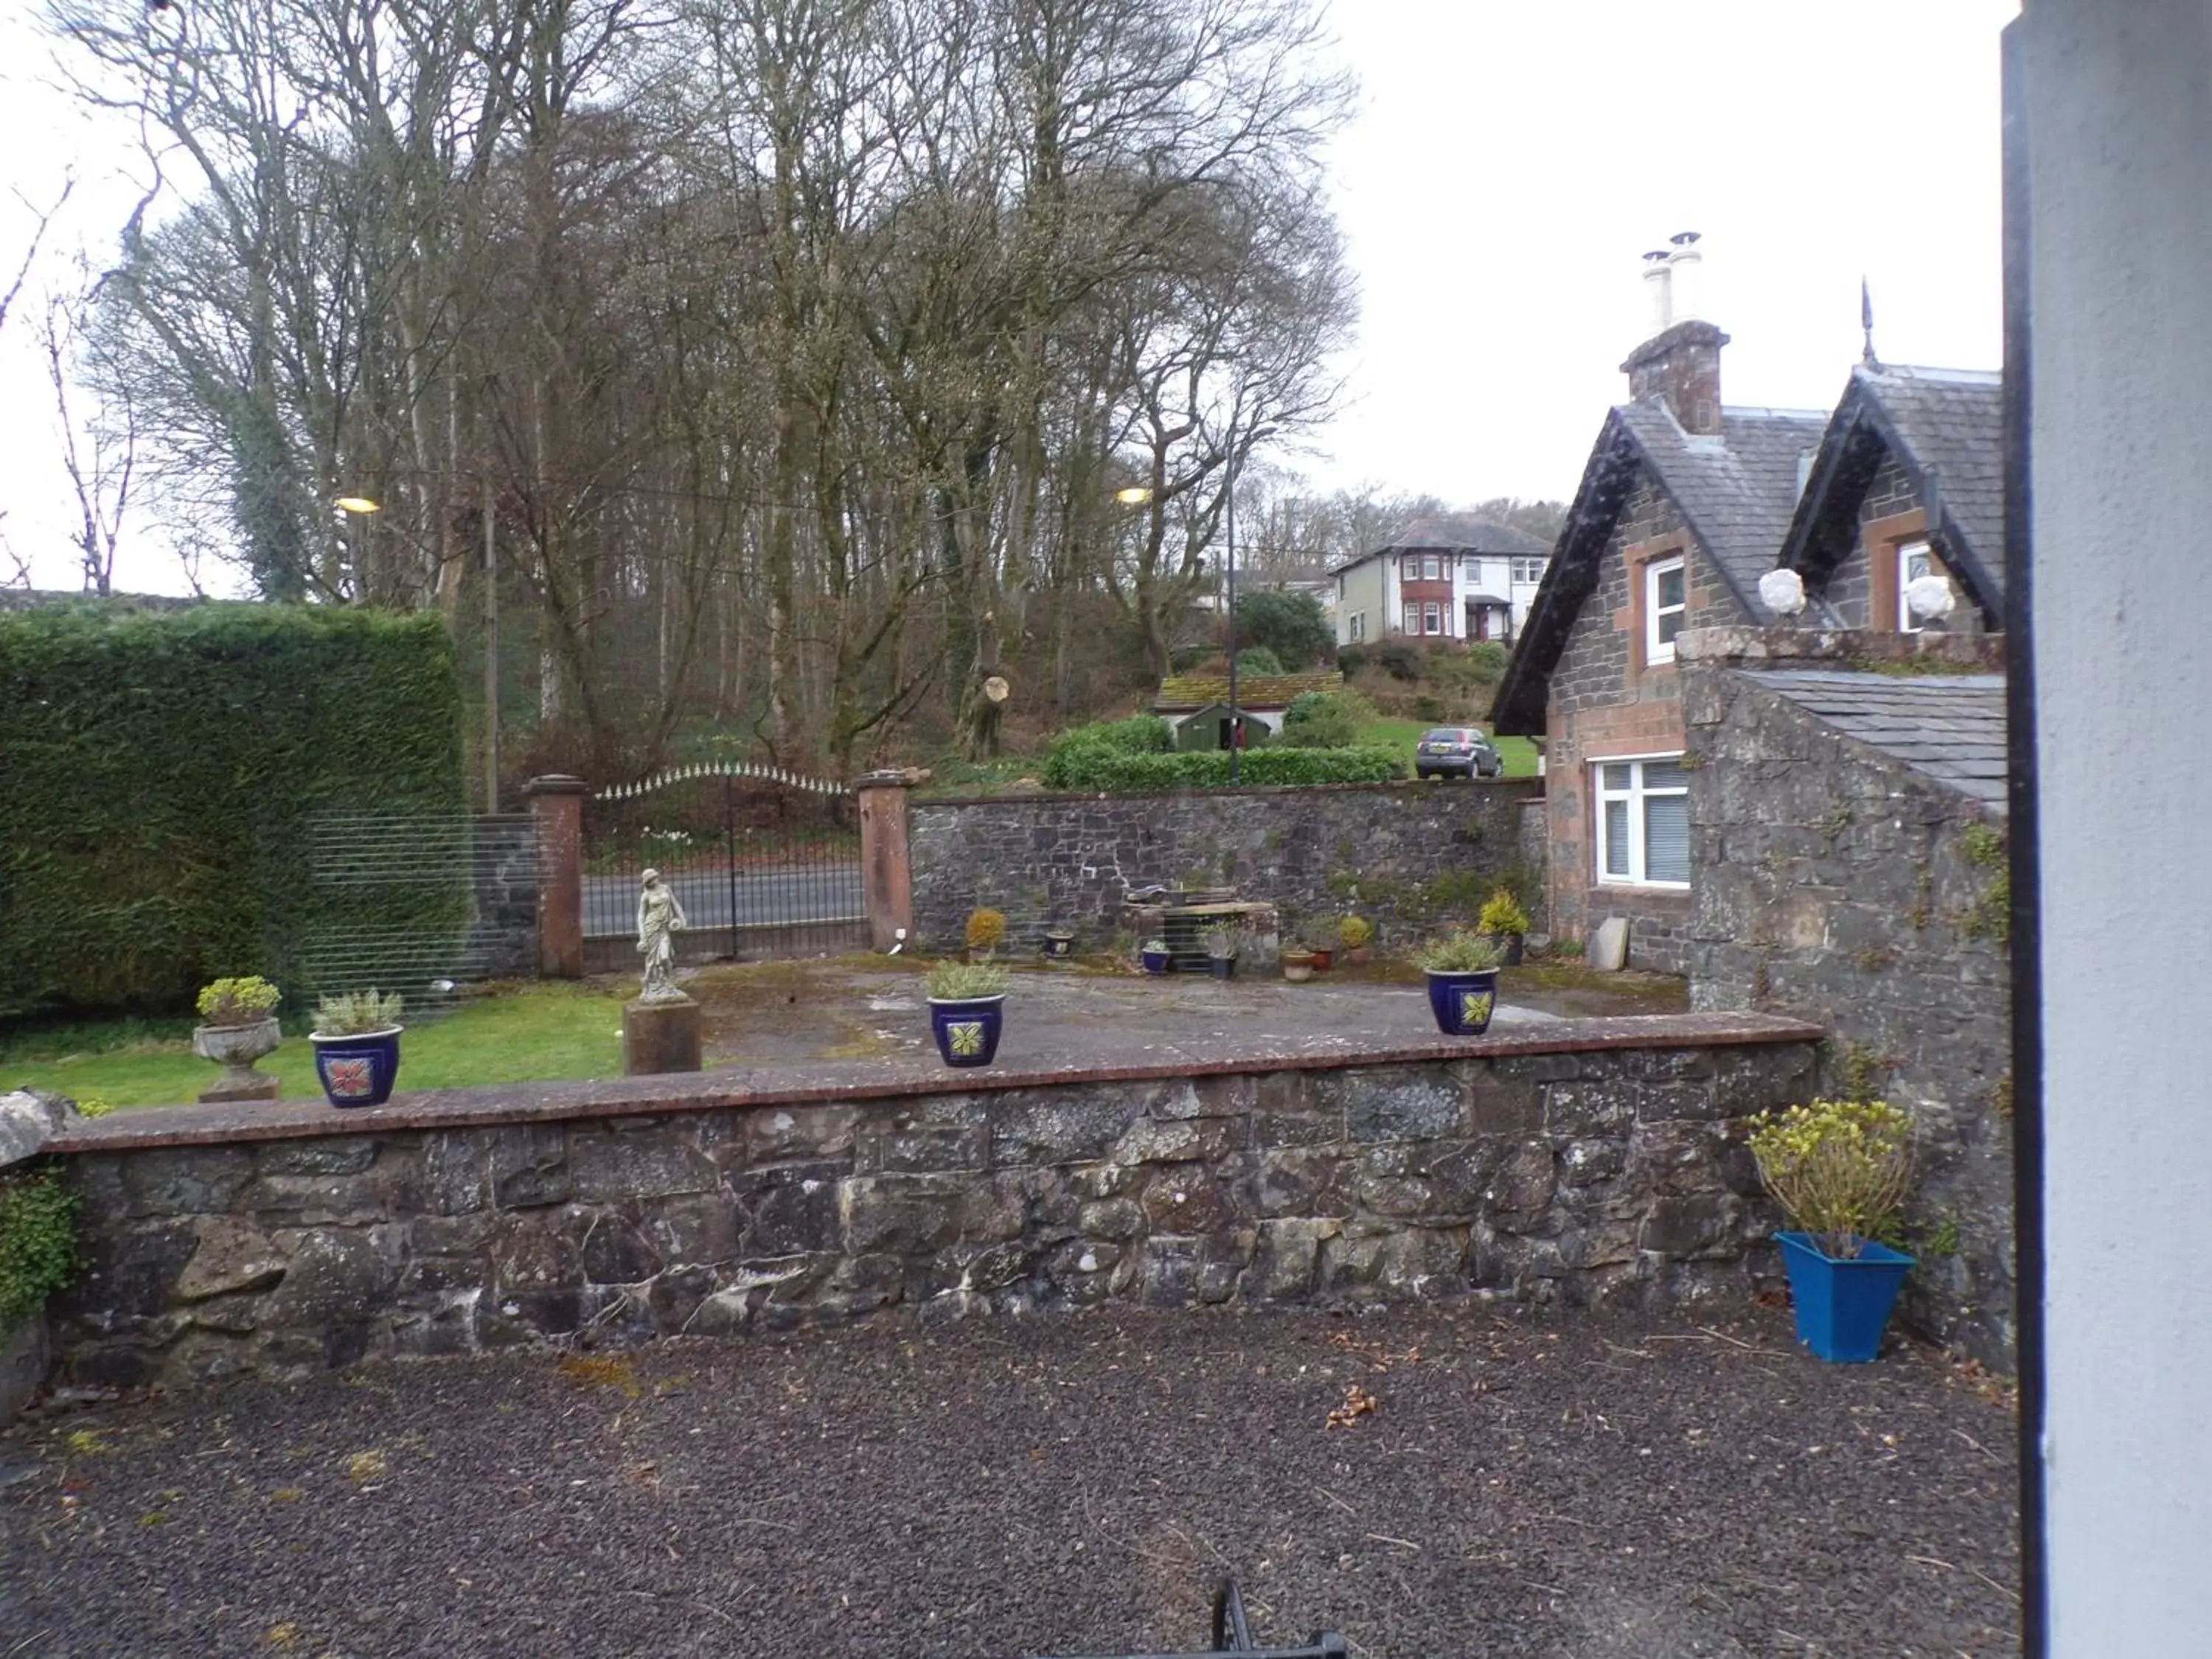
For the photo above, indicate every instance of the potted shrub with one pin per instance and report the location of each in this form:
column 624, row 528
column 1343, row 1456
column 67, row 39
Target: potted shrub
column 986, row 932
column 1462, row 970
column 1223, row 941
column 967, row 1010
column 238, row 1026
column 356, row 1042
column 1154, row 954
column 1504, row 919
column 1355, row 931
column 1297, row 965
column 1840, row 1169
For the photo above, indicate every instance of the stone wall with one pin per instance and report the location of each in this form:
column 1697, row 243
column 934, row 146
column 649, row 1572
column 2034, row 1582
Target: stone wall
column 1833, row 882
column 1596, row 1161
column 1405, row 855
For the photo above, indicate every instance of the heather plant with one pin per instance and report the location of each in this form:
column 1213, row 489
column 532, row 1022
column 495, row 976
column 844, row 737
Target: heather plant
column 964, row 981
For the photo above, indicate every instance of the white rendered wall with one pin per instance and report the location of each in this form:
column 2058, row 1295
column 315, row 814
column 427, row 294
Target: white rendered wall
column 2117, row 99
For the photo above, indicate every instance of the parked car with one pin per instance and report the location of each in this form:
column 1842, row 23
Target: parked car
column 1448, row 750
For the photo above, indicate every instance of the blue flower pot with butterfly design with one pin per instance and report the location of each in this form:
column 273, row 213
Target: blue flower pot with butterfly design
column 358, row 1070
column 967, row 1031
column 1463, row 1002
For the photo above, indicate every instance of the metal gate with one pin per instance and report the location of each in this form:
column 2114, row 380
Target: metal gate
column 765, row 863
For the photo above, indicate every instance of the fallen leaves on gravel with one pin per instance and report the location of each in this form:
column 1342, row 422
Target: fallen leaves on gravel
column 601, row 1371
column 366, row 1465
column 1357, row 1403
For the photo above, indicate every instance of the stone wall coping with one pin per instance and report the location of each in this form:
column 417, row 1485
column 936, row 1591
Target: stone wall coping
column 146, row 1128
column 1533, row 787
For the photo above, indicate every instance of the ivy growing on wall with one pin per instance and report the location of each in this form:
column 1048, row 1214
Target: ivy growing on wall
column 164, row 771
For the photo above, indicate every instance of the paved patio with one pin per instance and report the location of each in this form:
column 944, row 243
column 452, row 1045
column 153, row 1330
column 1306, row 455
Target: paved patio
column 1541, row 1483
column 859, row 1008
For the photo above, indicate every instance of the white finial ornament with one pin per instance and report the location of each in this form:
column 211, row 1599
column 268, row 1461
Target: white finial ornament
column 1782, row 591
column 1929, row 596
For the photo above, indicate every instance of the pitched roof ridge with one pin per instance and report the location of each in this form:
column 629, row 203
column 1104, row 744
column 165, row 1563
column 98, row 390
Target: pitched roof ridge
column 1987, row 377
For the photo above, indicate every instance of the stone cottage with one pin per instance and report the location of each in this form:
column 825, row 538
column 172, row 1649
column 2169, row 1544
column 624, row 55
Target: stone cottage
column 1681, row 509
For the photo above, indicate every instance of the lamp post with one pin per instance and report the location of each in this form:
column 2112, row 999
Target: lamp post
column 1236, row 721
column 358, row 509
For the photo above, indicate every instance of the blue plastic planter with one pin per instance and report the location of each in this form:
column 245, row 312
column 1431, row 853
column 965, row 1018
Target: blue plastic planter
column 1463, row 1002
column 358, row 1071
column 1156, row 961
column 1842, row 1305
column 967, row 1032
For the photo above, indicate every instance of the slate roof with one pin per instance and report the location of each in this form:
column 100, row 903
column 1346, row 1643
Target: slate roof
column 1950, row 727
column 1735, row 489
column 1946, row 428
column 1456, row 532
column 1186, row 691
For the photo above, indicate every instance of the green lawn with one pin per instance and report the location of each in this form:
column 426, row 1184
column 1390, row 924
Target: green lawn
column 1518, row 753
column 529, row 1033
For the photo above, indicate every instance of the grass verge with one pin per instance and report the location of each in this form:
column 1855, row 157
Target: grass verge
column 525, row 1033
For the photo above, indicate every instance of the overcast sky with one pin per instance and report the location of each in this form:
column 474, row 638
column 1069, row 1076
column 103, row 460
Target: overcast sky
column 1510, row 163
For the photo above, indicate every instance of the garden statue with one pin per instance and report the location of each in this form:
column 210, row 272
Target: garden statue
column 660, row 918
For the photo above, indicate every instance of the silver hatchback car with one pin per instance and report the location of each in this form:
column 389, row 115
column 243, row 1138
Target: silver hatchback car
column 1447, row 751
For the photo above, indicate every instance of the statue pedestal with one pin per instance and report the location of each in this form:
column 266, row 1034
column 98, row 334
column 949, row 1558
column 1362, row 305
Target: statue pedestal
column 660, row 1036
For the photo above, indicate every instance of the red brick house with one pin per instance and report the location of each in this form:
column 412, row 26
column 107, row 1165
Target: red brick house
column 1682, row 506
column 1909, row 481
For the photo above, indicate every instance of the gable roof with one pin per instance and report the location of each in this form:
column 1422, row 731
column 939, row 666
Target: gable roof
column 1945, row 426
column 1734, row 489
column 1456, row 533
column 1950, row 727
column 1180, row 692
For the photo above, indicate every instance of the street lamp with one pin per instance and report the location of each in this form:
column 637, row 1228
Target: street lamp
column 358, row 505
column 1236, row 721
column 1134, row 496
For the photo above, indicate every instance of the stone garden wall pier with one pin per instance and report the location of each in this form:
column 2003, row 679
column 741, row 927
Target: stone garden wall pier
column 1589, row 1160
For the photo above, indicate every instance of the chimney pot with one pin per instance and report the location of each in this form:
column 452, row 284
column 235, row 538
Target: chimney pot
column 1685, row 268
column 1659, row 287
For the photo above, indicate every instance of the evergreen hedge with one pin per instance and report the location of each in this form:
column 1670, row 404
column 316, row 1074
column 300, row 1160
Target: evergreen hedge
column 163, row 771
column 1096, row 767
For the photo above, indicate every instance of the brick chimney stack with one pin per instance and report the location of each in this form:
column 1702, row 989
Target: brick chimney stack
column 1681, row 360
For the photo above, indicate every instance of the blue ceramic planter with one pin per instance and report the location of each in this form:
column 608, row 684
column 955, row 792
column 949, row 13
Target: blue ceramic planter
column 1463, row 1002
column 1842, row 1304
column 358, row 1071
column 967, row 1032
column 1156, row 961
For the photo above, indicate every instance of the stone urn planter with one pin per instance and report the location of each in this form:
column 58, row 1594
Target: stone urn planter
column 235, row 1048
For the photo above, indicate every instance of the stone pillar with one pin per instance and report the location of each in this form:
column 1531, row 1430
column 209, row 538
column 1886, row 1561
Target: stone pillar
column 557, row 803
column 886, row 874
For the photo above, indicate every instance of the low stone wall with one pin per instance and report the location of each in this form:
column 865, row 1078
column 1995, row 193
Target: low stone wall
column 1591, row 1160
column 1405, row 855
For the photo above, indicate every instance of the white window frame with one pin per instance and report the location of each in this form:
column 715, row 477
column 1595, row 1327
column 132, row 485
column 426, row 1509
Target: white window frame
column 1656, row 650
column 1636, row 794
column 1470, row 570
column 1411, row 617
column 1432, row 616
column 1432, row 567
column 1916, row 547
column 1528, row 570
column 1358, row 630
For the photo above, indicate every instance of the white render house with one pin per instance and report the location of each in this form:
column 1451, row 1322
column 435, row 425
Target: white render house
column 1455, row 578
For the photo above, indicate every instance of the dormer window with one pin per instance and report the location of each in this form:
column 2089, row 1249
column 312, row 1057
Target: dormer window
column 1666, row 602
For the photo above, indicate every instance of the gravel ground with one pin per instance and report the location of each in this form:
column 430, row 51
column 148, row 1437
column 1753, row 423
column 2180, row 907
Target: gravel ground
column 1528, row 1484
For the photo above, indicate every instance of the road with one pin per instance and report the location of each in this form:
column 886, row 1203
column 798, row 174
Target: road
column 824, row 892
